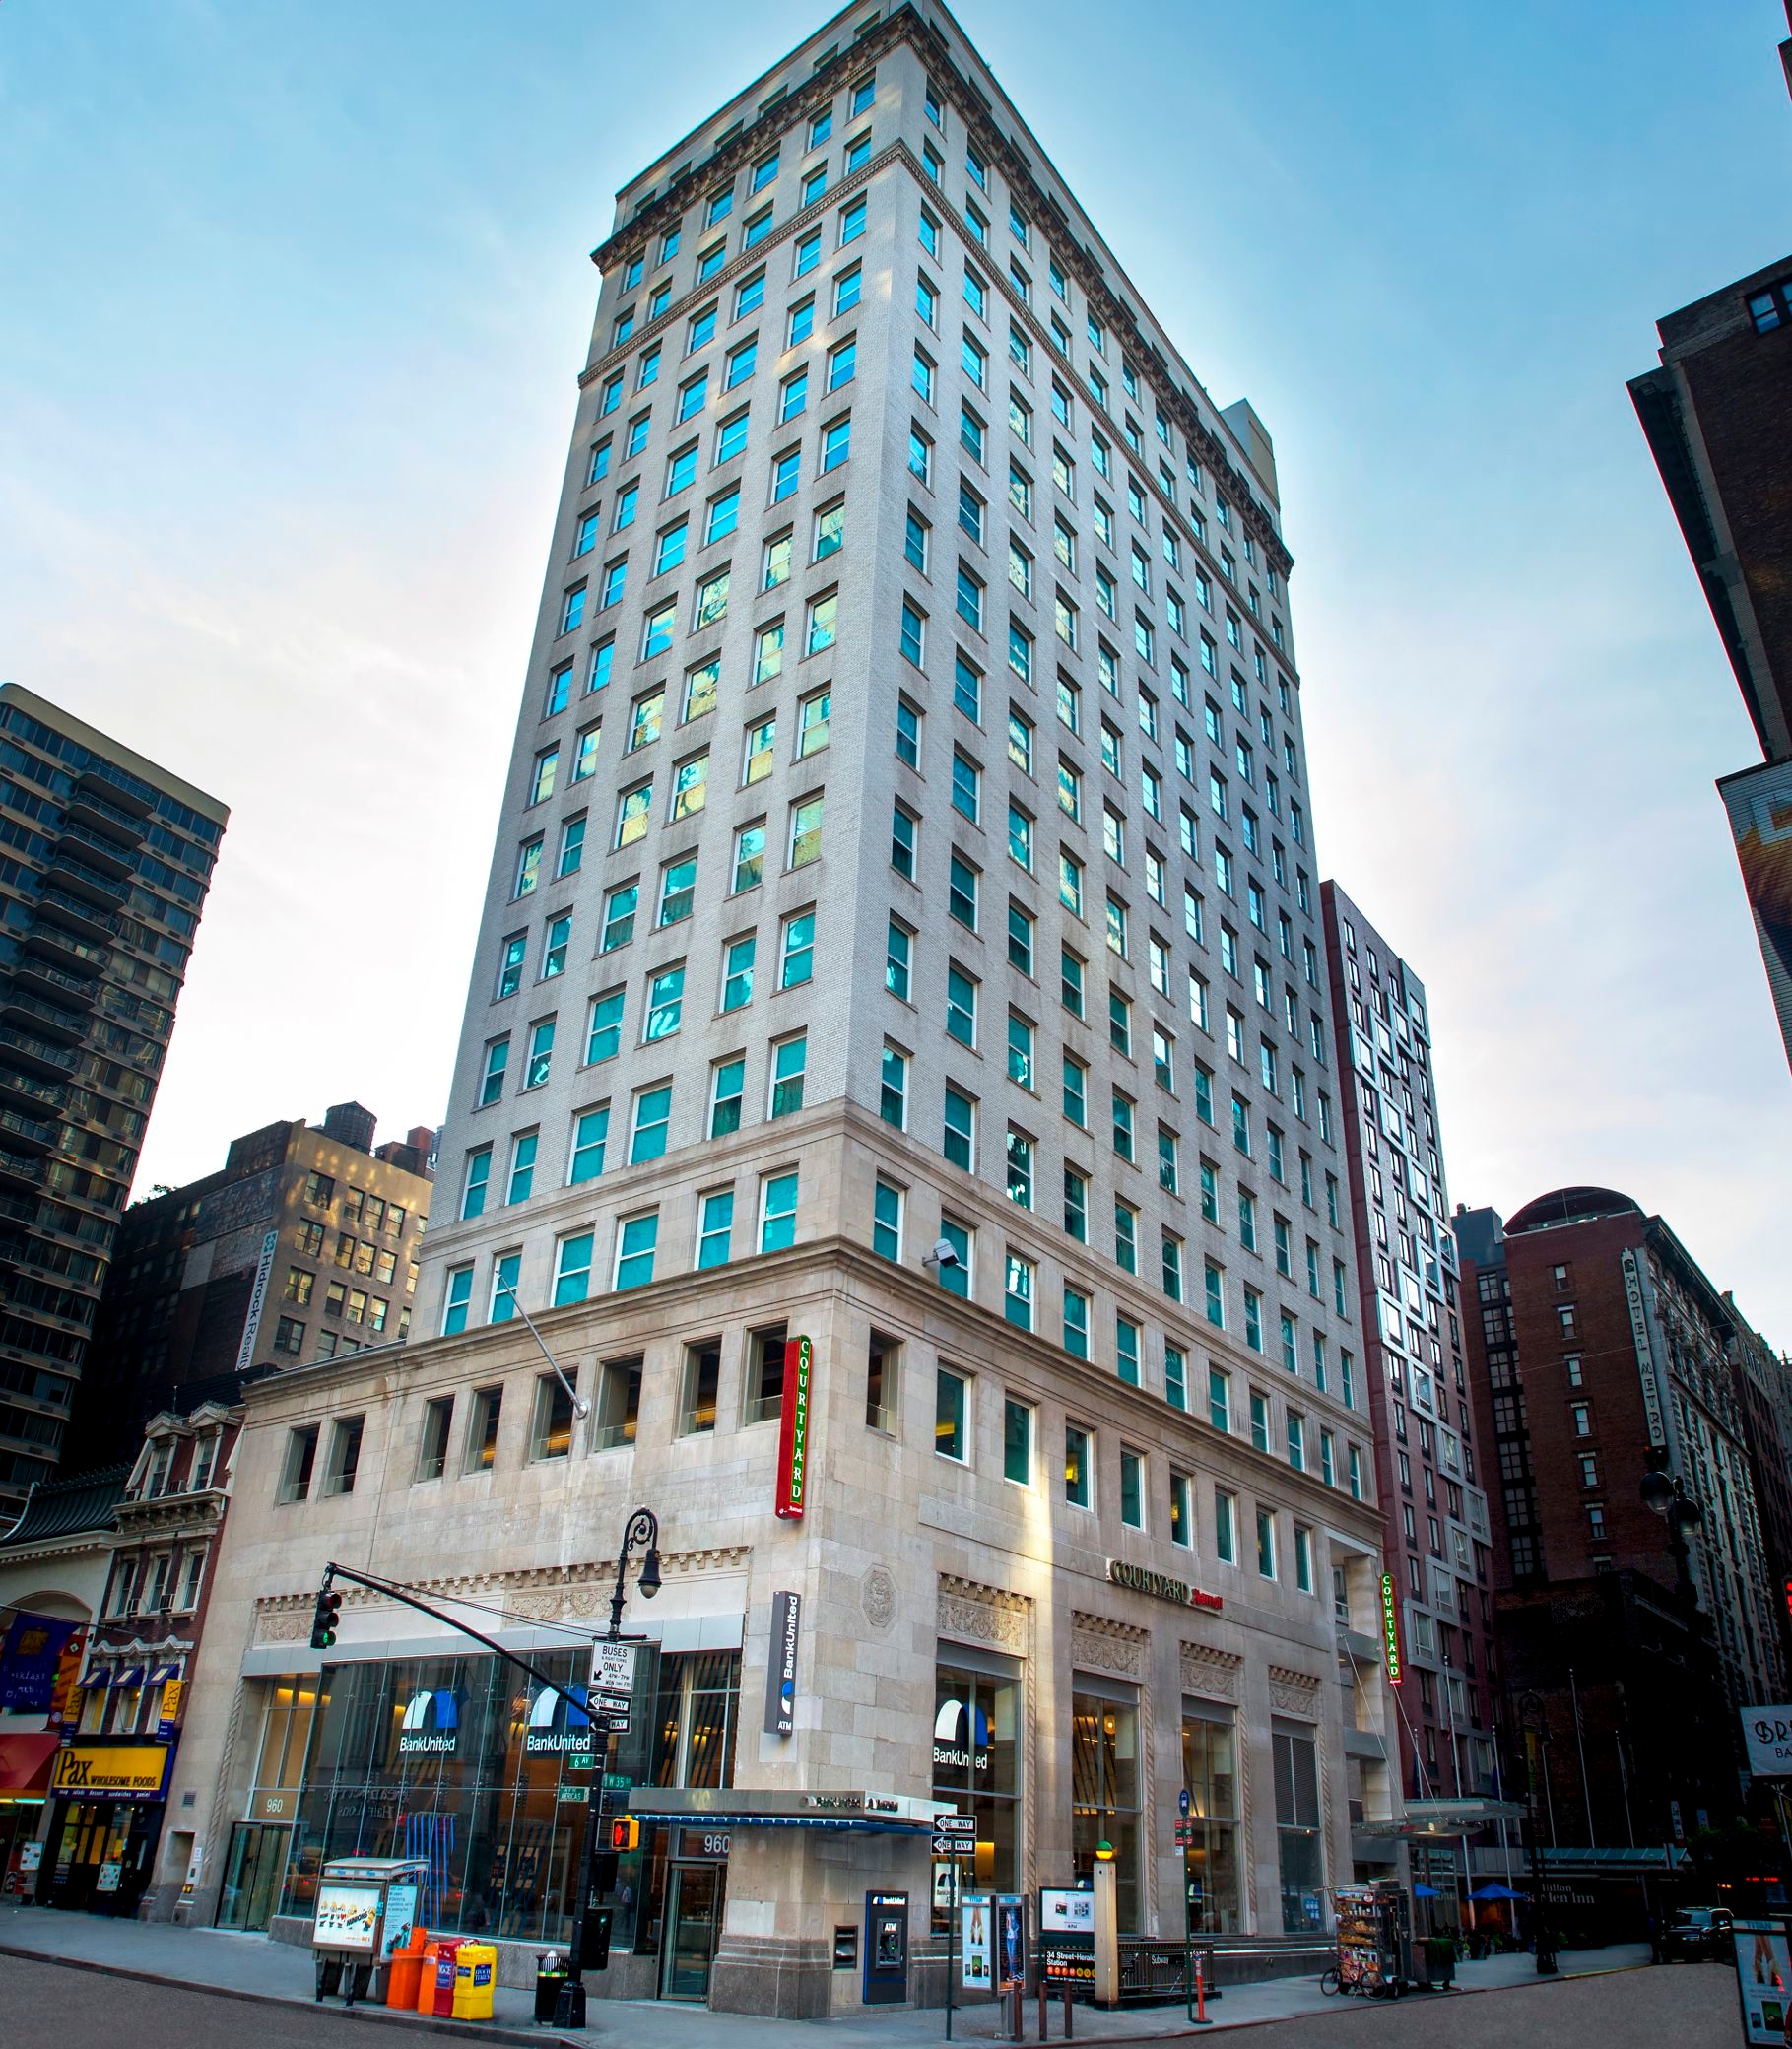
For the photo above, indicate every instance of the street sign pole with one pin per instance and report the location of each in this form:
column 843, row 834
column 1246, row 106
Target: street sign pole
column 951, row 1936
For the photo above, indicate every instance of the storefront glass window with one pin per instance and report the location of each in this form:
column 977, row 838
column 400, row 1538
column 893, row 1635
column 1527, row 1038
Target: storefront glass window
column 461, row 1762
column 695, row 1712
column 1300, row 1858
column 976, row 1770
column 1105, row 1791
column 1209, row 1772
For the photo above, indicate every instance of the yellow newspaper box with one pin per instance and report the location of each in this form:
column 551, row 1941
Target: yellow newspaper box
column 475, row 1971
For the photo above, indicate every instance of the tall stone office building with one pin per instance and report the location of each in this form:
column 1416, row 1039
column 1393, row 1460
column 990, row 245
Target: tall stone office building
column 1429, row 1475
column 105, row 864
column 903, row 936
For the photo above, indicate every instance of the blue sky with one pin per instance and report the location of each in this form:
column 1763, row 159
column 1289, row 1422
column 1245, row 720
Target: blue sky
column 294, row 301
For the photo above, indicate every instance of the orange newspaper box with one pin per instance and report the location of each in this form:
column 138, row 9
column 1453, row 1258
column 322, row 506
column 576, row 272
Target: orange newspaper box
column 404, row 1970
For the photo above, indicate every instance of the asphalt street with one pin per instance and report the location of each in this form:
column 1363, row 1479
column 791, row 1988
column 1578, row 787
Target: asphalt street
column 47, row 2006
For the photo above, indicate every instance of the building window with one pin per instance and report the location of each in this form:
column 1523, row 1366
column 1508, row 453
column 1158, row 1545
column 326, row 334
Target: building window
column 619, row 1396
column 697, row 1395
column 883, row 1360
column 432, row 1443
column 767, row 1357
column 950, row 1416
column 300, row 1461
column 1300, row 1855
column 1105, row 1788
column 635, row 1244
column 887, row 1221
column 551, row 1427
column 978, row 1729
column 777, row 1212
column 482, row 1430
column 1210, row 1771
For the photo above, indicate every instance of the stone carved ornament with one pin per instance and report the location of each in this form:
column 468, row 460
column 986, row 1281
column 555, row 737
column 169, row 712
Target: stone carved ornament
column 1293, row 1692
column 1100, row 1645
column 877, row 1597
column 545, row 1594
column 982, row 1614
column 1209, row 1671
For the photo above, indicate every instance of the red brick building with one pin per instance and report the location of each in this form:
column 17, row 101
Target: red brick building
column 1602, row 1358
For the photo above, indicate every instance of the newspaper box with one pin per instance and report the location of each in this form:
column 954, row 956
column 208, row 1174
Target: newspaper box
column 367, row 1907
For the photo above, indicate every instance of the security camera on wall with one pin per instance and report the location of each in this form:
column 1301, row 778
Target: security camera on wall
column 942, row 1254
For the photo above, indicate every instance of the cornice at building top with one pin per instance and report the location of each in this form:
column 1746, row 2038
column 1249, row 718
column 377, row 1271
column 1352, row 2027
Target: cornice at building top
column 906, row 24
column 751, row 141
column 899, row 152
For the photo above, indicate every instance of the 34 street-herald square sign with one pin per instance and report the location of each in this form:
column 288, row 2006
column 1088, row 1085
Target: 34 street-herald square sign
column 793, row 1438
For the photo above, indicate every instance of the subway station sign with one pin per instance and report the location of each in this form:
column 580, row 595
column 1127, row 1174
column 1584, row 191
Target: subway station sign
column 793, row 1438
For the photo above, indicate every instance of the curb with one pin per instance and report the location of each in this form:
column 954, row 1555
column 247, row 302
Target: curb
column 1340, row 2006
column 389, row 2017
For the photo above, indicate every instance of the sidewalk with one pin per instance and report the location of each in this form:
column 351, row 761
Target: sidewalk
column 204, row 1957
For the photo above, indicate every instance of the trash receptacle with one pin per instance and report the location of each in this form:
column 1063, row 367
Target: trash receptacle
column 404, row 1971
column 550, row 1974
column 435, row 1992
column 474, row 1971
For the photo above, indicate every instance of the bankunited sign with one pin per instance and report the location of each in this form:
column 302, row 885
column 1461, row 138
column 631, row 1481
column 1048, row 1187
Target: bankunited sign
column 430, row 1724
column 1160, row 1585
column 556, row 1726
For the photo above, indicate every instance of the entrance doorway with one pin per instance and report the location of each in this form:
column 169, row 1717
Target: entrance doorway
column 253, row 1867
column 101, row 1853
column 694, row 1919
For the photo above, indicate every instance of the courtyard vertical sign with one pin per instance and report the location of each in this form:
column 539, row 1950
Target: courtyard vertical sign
column 1390, row 1628
column 793, row 1438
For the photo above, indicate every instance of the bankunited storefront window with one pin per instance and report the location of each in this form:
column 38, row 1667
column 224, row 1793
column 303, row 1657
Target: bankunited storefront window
column 461, row 1762
column 471, row 1765
column 976, row 1763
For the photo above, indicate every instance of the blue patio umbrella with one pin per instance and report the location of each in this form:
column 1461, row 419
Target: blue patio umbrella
column 1426, row 1892
column 1494, row 1891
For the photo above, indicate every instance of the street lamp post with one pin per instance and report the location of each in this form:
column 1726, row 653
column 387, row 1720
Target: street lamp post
column 1533, row 1716
column 640, row 1533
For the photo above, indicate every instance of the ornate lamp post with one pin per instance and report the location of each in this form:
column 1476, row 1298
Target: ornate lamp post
column 640, row 1533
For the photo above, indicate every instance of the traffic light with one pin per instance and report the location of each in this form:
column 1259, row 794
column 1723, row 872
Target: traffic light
column 324, row 1618
column 625, row 1834
column 1785, row 1587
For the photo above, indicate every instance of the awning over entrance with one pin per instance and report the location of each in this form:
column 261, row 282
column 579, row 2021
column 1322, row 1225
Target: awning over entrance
column 25, row 1765
column 841, row 1823
column 1613, row 1863
column 746, row 1806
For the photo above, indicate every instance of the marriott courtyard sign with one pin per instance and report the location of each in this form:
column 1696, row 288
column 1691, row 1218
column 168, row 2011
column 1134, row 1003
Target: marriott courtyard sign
column 1161, row 1586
